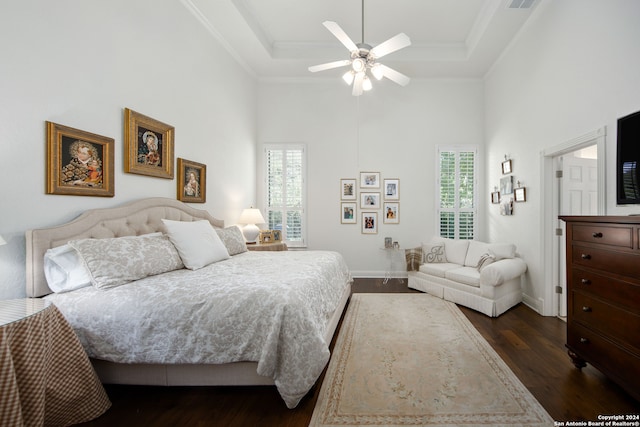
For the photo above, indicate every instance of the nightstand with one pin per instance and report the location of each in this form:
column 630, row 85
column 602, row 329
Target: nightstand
column 275, row 246
column 43, row 364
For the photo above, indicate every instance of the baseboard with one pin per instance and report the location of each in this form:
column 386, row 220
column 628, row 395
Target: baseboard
column 533, row 303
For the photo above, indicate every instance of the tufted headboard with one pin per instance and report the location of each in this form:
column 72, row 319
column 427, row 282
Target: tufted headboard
column 132, row 219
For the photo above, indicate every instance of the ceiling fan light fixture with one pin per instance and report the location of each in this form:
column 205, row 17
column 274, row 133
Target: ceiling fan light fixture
column 358, row 65
column 376, row 71
column 366, row 83
column 348, row 77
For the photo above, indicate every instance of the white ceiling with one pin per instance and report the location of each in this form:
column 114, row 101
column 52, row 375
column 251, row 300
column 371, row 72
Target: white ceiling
column 280, row 39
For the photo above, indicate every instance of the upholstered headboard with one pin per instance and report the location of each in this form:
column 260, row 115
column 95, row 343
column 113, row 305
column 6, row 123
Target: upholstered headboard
column 132, row 219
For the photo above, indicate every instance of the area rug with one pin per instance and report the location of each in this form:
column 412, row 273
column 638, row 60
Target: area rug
column 414, row 359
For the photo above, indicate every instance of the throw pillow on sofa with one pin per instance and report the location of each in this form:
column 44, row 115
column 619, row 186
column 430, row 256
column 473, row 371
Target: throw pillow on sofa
column 433, row 253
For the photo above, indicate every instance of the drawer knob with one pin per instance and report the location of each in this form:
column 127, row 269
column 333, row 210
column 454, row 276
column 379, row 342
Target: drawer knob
column 584, row 341
column 597, row 235
column 586, row 309
column 586, row 281
column 586, row 256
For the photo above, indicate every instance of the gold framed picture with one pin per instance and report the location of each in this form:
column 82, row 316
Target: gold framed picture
column 192, row 181
column 79, row 163
column 148, row 145
column 266, row 236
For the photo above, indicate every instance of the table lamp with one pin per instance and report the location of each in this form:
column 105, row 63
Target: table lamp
column 251, row 217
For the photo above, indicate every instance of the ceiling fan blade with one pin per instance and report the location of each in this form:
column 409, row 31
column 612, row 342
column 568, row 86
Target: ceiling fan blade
column 329, row 65
column 357, row 84
column 394, row 43
column 340, row 35
column 394, row 76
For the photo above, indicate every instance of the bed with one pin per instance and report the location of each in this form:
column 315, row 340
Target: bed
column 191, row 326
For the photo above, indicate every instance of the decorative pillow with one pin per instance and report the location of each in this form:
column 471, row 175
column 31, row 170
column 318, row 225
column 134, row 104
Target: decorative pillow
column 485, row 260
column 233, row 239
column 197, row 242
column 475, row 251
column 503, row 250
column 413, row 258
column 433, row 253
column 456, row 250
column 115, row 261
column 64, row 269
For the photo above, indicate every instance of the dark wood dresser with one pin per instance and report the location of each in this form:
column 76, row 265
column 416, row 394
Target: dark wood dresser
column 603, row 296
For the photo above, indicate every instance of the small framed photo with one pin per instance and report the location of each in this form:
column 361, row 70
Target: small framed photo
column 348, row 189
column 495, row 197
column 506, row 207
column 369, row 179
column 520, row 194
column 79, row 163
column 506, row 185
column 192, row 181
column 148, row 146
column 506, row 167
column 277, row 235
column 369, row 200
column 266, row 236
column 369, row 222
column 348, row 212
column 392, row 189
column 391, row 213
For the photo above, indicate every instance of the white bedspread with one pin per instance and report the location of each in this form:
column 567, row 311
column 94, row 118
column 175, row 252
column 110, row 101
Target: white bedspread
column 267, row 307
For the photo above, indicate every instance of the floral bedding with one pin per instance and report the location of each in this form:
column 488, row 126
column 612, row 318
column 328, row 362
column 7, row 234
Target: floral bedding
column 267, row 307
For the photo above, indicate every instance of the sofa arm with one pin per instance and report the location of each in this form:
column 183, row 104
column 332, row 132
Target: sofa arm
column 502, row 271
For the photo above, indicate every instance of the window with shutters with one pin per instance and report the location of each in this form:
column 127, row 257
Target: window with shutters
column 457, row 195
column 285, row 170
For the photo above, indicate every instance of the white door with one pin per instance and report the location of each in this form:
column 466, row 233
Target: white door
column 578, row 194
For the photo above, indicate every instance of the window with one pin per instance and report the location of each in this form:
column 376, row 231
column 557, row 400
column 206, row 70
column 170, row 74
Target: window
column 456, row 195
column 285, row 171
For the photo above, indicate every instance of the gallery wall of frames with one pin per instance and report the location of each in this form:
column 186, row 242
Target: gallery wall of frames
column 369, row 199
column 510, row 191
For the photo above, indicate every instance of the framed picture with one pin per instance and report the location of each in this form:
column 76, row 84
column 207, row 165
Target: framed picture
column 506, row 207
column 392, row 189
column 520, row 194
column 391, row 213
column 495, row 197
column 79, row 163
column 348, row 213
column 506, row 167
column 348, row 189
column 277, row 235
column 266, row 236
column 506, row 185
column 369, row 200
column 148, row 146
column 192, row 181
column 369, row 179
column 369, row 222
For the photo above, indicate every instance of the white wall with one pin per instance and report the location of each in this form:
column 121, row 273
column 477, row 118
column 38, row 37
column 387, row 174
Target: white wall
column 391, row 130
column 79, row 63
column 573, row 69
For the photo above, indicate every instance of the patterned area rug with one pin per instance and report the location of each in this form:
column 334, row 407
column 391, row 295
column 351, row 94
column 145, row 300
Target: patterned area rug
column 414, row 359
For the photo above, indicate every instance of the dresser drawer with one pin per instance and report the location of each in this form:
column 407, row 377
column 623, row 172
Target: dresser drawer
column 626, row 294
column 623, row 263
column 606, row 235
column 621, row 365
column 620, row 325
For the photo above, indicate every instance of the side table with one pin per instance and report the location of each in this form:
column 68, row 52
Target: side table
column 397, row 264
column 274, row 246
column 45, row 375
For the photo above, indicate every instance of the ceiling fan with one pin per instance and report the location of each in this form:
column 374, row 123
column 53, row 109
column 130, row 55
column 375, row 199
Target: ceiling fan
column 364, row 59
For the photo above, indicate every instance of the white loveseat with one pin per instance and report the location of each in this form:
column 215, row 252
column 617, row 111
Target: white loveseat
column 481, row 276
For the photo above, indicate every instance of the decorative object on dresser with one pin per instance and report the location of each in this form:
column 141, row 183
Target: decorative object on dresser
column 79, row 163
column 603, row 296
column 250, row 217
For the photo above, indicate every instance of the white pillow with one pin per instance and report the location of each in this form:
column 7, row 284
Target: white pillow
column 503, row 250
column 456, row 250
column 118, row 260
column 64, row 269
column 197, row 242
column 475, row 251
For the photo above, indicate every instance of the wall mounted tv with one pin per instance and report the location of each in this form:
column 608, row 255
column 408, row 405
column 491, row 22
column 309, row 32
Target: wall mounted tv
column 628, row 161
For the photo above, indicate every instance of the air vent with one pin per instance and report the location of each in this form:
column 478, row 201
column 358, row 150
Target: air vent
column 520, row 4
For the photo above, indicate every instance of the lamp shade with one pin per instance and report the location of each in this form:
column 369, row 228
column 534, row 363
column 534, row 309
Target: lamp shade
column 2, row 241
column 251, row 217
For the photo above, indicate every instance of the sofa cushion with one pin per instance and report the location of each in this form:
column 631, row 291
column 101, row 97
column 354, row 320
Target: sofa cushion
column 438, row 269
column 502, row 250
column 433, row 253
column 475, row 252
column 456, row 250
column 467, row 275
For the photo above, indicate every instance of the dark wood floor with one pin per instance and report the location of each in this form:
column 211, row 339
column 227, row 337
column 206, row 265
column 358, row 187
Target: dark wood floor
column 532, row 346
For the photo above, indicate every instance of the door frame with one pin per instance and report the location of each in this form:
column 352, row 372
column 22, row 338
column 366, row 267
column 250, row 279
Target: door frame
column 550, row 207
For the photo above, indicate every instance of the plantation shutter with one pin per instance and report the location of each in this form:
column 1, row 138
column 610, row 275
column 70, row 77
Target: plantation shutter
column 457, row 211
column 285, row 192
